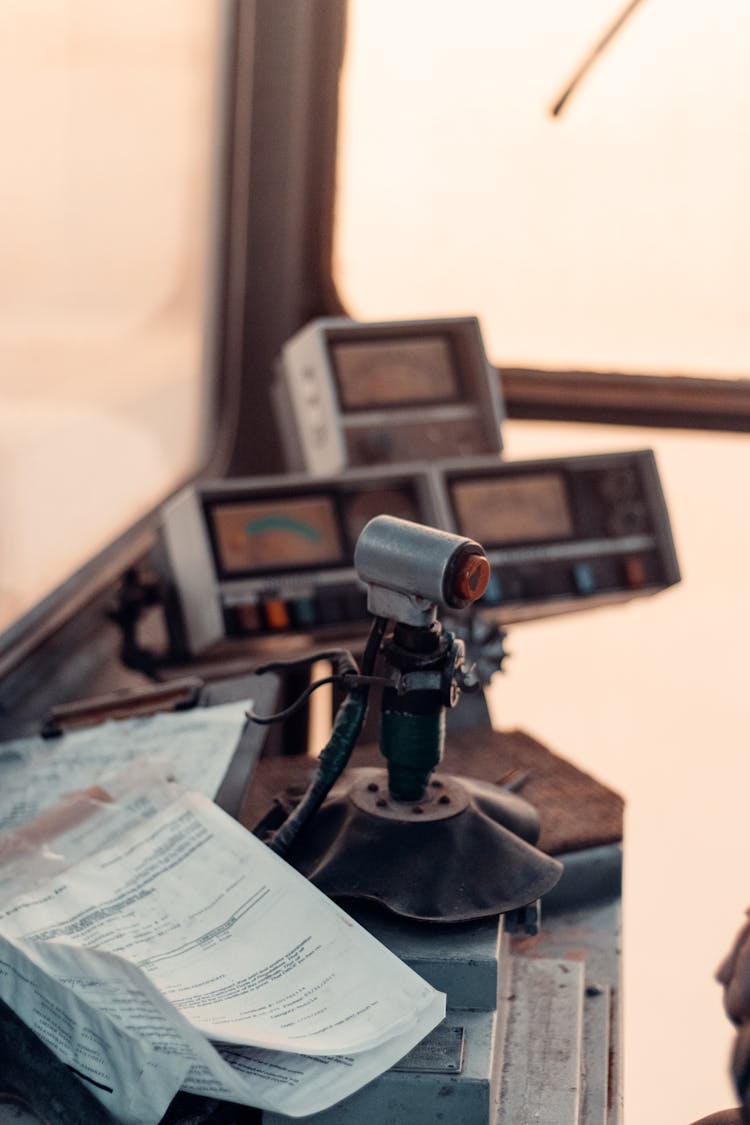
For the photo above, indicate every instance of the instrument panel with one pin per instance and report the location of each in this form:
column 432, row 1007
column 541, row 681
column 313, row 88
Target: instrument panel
column 349, row 393
column 271, row 556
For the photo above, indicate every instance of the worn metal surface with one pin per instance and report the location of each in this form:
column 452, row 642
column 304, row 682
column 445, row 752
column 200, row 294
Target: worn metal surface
column 588, row 933
column 400, row 1098
column 462, row 961
column 542, row 1073
column 442, row 1052
column 596, row 1033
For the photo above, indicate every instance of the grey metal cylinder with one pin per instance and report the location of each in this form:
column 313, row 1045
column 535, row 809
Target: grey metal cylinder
column 414, row 560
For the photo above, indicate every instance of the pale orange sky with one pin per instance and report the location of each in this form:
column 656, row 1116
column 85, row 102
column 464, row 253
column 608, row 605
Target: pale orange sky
column 613, row 236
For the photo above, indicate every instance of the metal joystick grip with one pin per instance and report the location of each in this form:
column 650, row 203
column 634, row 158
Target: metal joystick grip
column 410, row 570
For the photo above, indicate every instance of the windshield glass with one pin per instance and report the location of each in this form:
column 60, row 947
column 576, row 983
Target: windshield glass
column 613, row 236
column 108, row 124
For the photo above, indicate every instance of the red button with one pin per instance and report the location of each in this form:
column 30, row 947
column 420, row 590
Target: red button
column 249, row 618
column 635, row 572
column 470, row 582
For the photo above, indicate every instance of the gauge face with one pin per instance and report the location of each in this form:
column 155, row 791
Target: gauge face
column 361, row 507
column 514, row 509
column 371, row 374
column 272, row 535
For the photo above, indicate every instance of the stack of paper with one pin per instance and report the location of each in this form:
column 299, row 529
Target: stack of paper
column 155, row 945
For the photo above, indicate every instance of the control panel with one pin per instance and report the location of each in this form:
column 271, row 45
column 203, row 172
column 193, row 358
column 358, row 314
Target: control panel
column 349, row 393
column 562, row 531
column 271, row 556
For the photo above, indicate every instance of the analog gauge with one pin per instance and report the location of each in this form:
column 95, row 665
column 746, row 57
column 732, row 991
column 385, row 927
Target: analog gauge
column 277, row 534
column 521, row 509
column 372, row 374
column 361, row 507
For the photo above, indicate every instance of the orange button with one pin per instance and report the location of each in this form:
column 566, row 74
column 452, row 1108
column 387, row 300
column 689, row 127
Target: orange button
column 471, row 580
column 277, row 615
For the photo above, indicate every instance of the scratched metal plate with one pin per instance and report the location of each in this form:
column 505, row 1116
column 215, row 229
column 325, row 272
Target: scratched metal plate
column 442, row 1052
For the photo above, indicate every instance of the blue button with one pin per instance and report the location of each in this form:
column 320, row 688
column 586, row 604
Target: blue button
column 584, row 578
column 493, row 595
column 304, row 614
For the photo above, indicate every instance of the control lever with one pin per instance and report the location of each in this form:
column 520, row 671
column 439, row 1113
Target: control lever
column 439, row 849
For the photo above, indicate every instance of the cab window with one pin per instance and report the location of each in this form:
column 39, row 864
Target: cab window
column 108, row 124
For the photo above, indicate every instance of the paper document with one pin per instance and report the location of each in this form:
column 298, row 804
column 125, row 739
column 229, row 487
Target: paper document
column 175, row 935
column 197, row 743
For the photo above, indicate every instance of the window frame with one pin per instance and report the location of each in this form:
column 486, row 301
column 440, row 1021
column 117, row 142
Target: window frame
column 623, row 399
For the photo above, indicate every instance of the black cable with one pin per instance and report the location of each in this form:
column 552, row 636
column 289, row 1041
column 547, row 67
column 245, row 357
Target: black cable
column 336, row 753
